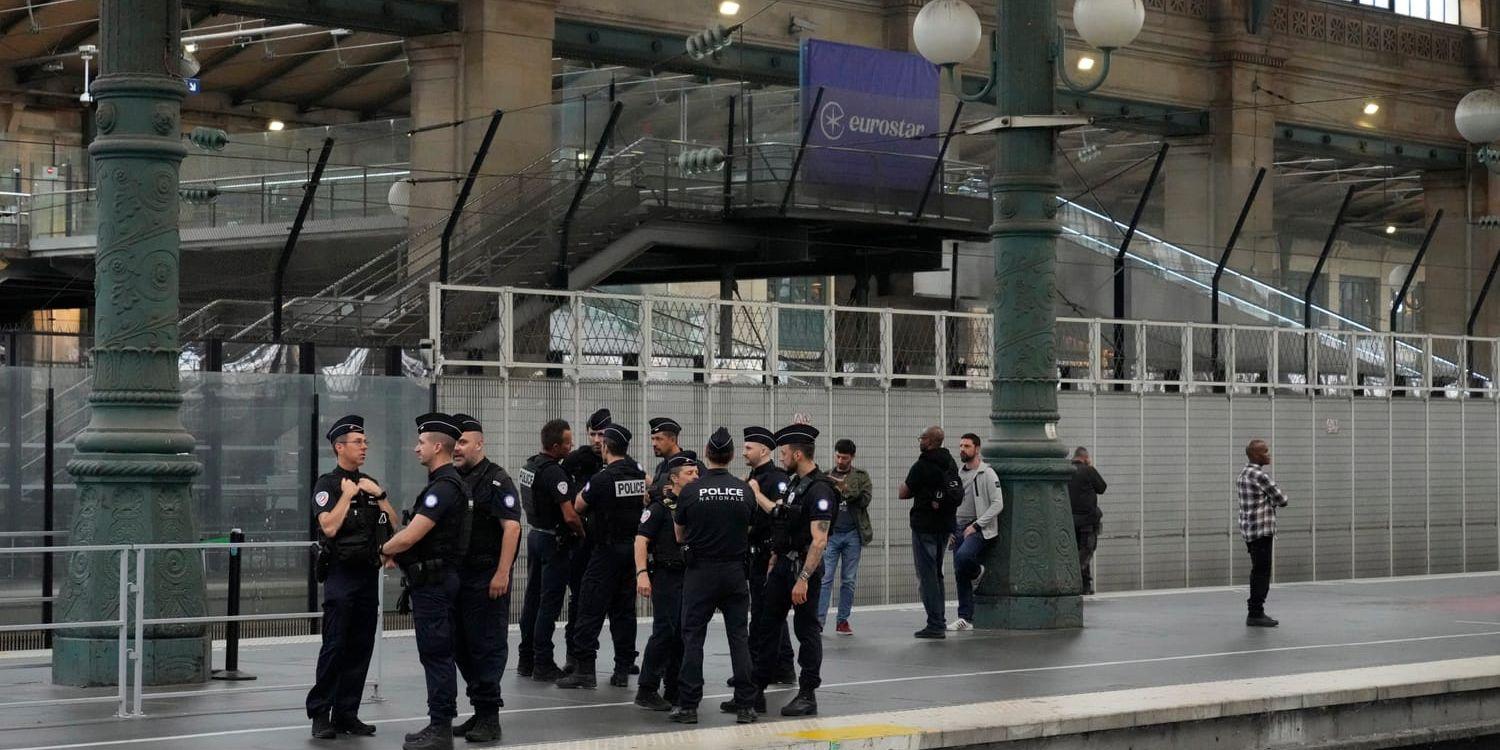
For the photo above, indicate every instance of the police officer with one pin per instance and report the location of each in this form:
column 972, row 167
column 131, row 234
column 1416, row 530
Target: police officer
column 665, row 432
column 713, row 524
column 616, row 494
column 547, row 496
column 800, row 527
column 430, row 551
column 483, row 612
column 582, row 464
column 354, row 518
column 760, row 444
column 658, row 577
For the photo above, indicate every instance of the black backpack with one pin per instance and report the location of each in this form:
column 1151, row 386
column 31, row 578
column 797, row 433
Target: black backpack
column 949, row 493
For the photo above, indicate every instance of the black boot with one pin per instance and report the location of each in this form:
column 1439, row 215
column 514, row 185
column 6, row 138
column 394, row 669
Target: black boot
column 620, row 679
column 635, row 668
column 463, row 729
column 352, row 725
column 547, row 673
column 649, row 700
column 570, row 666
column 523, row 669
column 745, row 716
column 759, row 706
column 805, row 704
column 487, row 726
column 1260, row 620
column 787, row 675
column 323, row 729
column 683, row 716
column 582, row 676
column 437, row 735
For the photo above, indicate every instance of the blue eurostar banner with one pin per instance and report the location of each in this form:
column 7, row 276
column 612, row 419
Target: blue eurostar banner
column 878, row 120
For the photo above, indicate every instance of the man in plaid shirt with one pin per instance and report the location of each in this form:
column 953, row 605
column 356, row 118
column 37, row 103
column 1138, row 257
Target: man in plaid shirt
column 1259, row 499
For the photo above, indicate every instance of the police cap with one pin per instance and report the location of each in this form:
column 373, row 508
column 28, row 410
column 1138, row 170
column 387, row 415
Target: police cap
column 665, row 424
column 618, row 432
column 346, row 425
column 797, row 434
column 440, row 423
column 720, row 441
column 760, row 435
column 685, row 458
column 468, row 423
column 598, row 420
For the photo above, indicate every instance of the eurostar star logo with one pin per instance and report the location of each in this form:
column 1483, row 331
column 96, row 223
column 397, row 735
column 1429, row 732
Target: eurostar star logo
column 831, row 121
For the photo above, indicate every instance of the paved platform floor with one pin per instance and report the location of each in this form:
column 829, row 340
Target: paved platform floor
column 1151, row 639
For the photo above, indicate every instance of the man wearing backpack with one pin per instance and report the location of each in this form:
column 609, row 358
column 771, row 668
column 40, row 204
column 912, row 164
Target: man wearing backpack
column 936, row 490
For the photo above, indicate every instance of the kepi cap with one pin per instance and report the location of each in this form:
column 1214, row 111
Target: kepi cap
column 720, row 441
column 440, row 423
column 760, row 435
column 598, row 420
column 346, row 425
column 665, row 424
column 797, row 434
column 618, row 432
column 467, row 423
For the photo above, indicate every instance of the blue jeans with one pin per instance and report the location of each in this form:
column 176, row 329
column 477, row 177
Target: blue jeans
column 927, row 554
column 842, row 545
column 967, row 556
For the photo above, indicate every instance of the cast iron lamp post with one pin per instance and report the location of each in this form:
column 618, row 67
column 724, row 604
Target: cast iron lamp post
column 1032, row 579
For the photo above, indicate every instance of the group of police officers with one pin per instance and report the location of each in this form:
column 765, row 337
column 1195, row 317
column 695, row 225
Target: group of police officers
column 692, row 537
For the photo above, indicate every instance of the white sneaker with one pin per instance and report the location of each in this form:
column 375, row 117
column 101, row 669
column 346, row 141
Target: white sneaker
column 960, row 624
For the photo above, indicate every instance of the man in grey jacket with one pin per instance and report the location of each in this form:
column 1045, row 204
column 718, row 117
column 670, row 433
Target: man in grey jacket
column 975, row 527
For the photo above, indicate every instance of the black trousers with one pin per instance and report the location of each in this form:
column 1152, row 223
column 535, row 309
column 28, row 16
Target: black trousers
column 480, row 647
column 621, row 619
column 546, row 585
column 1260, row 573
column 663, row 660
column 783, row 655
column 432, row 607
column 1088, row 541
column 608, row 585
column 350, row 610
column 706, row 587
column 776, row 602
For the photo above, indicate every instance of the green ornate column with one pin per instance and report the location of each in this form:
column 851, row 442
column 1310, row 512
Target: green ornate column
column 133, row 463
column 1032, row 579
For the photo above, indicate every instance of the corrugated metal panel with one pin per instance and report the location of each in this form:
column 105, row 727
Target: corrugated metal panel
column 1163, row 446
column 1293, row 466
column 1252, row 420
column 1117, row 455
column 1480, row 483
column 1446, row 451
column 1409, row 485
column 1372, row 488
column 1333, row 440
column 1213, row 534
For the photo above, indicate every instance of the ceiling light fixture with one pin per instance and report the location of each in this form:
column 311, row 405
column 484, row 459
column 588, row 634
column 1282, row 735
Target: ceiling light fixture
column 1371, row 108
column 190, row 47
column 1085, row 63
column 729, row 8
column 1390, row 228
column 275, row 126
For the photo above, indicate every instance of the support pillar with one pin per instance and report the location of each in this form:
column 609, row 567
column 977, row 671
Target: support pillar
column 133, row 463
column 1034, row 581
column 1449, row 280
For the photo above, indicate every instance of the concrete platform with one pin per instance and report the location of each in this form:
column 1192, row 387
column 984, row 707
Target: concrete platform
column 1144, row 659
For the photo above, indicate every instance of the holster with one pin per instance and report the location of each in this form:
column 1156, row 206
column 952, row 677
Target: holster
column 323, row 563
column 403, row 602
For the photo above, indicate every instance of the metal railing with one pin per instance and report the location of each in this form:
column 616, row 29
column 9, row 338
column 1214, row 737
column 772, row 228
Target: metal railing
column 615, row 336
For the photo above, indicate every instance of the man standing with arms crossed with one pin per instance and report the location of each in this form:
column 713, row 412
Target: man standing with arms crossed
column 484, row 581
column 1259, row 499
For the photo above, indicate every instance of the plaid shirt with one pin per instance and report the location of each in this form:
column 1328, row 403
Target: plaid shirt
column 1259, row 499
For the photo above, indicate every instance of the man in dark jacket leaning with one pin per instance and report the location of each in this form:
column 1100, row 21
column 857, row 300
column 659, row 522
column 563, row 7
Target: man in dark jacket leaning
column 1084, row 489
column 933, row 508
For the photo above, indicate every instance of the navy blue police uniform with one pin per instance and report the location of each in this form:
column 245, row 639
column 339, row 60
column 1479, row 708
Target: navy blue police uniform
column 663, row 659
column 545, row 488
column 715, row 514
column 484, row 621
column 349, row 565
column 773, row 484
column 810, row 499
column 616, row 495
column 582, row 464
column 431, row 567
column 659, row 475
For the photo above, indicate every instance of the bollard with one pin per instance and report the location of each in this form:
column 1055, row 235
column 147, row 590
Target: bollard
column 231, row 670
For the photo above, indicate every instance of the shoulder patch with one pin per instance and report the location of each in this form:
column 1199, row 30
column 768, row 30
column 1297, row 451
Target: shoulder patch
column 586, row 486
column 510, row 501
column 823, row 504
column 639, row 467
column 562, row 488
column 781, row 487
column 430, row 501
column 321, row 498
column 645, row 515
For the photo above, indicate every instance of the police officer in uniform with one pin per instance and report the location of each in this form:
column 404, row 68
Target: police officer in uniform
column 616, row 494
column 430, row 551
column 354, row 518
column 665, row 432
column 547, row 496
column 713, row 523
column 483, row 612
column 800, row 527
column 658, row 577
column 582, row 464
column 760, row 444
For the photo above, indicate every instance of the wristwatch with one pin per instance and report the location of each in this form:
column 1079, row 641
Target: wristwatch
column 804, row 575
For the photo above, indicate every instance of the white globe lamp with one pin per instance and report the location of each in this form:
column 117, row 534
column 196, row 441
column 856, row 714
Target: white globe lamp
column 1477, row 116
column 947, row 32
column 1109, row 24
column 399, row 198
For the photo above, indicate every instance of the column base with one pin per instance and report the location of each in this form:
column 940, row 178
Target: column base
column 1028, row 612
column 93, row 662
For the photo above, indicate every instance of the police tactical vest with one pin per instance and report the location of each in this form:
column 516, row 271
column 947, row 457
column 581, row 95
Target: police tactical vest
column 617, row 522
column 792, row 527
column 546, row 516
column 449, row 540
column 365, row 528
column 487, row 531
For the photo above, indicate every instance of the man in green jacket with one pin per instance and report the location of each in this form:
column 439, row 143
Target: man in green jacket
column 851, row 531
